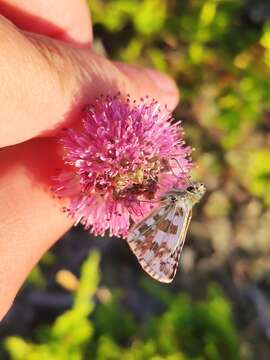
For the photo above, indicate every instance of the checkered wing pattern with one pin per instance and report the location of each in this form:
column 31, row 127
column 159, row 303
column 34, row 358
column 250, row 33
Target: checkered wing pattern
column 158, row 240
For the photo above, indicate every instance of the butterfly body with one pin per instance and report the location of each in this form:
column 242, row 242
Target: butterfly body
column 158, row 240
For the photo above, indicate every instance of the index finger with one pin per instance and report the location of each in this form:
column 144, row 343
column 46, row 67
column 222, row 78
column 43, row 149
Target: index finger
column 67, row 20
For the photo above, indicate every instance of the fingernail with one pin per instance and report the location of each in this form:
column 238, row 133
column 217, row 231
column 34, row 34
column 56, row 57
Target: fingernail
column 162, row 81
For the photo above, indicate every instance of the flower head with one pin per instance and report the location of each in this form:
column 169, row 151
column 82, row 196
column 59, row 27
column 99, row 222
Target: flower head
column 123, row 158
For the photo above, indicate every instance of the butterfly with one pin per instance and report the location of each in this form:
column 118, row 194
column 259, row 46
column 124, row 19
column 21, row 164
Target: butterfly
column 158, row 240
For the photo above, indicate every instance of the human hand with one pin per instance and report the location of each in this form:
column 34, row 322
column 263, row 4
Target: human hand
column 48, row 73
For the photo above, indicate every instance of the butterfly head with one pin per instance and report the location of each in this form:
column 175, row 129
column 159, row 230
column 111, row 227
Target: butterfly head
column 192, row 194
column 196, row 191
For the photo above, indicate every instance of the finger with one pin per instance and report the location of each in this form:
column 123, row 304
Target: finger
column 150, row 82
column 30, row 218
column 67, row 20
column 43, row 95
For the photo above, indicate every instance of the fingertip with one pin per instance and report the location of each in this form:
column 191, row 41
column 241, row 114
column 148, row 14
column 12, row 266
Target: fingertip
column 162, row 81
column 153, row 83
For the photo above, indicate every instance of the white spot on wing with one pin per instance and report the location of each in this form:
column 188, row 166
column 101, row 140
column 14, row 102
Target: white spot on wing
column 148, row 256
column 159, row 238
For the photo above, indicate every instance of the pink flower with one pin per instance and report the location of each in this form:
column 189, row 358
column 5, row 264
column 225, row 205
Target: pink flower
column 123, row 157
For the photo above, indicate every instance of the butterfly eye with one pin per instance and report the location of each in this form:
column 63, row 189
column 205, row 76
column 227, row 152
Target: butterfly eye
column 190, row 188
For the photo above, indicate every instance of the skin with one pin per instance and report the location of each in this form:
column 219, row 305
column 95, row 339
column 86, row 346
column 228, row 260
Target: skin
column 48, row 73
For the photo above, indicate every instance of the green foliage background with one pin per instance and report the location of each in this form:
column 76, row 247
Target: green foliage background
column 218, row 51
column 186, row 330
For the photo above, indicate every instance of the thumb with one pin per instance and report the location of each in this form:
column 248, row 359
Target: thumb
column 48, row 82
column 97, row 75
column 144, row 81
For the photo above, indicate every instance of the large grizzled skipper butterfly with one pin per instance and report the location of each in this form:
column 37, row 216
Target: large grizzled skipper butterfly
column 158, row 240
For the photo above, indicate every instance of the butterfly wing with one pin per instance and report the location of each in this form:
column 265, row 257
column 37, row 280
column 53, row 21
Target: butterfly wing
column 173, row 259
column 157, row 241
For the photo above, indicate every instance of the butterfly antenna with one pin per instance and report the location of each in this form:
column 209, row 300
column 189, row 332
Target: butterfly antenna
column 149, row 201
column 177, row 177
column 178, row 163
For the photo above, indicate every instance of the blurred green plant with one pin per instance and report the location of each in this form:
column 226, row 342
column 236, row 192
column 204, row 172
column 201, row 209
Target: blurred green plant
column 36, row 277
column 252, row 167
column 186, row 330
column 148, row 16
column 68, row 336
